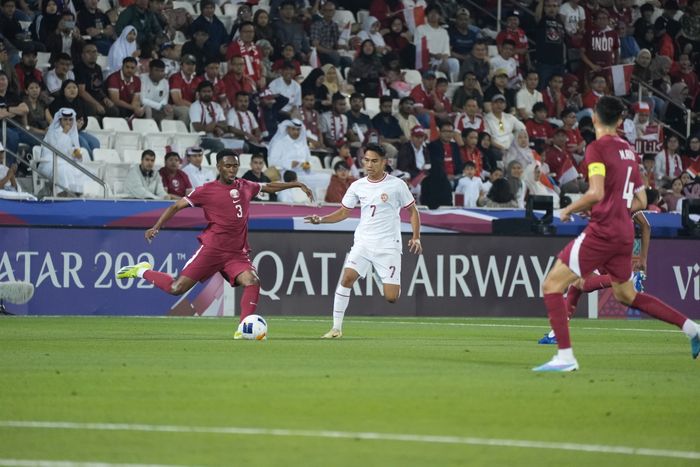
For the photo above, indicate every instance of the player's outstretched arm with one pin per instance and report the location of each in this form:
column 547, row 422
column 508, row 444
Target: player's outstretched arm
column 414, row 244
column 274, row 187
column 332, row 218
column 595, row 193
column 165, row 217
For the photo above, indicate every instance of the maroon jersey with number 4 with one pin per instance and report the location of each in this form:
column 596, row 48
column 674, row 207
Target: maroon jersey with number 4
column 226, row 208
column 610, row 218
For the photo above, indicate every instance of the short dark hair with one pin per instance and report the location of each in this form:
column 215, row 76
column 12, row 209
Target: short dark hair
column 609, row 110
column 406, row 99
column 289, row 176
column 129, row 60
column 442, row 81
column 538, row 107
column 470, row 164
column 170, row 154
column 157, row 63
column 508, row 42
column 376, row 148
column 467, row 131
column 357, row 95
column 288, row 65
column 242, row 93
column 146, row 153
column 257, row 155
column 225, row 153
column 385, row 99
column 62, row 56
column 560, row 131
column 204, row 84
column 567, row 111
column 338, row 97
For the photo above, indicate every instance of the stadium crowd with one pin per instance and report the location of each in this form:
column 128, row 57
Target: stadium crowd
column 467, row 115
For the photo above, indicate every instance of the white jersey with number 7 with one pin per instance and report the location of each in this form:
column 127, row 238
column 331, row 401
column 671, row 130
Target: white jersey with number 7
column 381, row 203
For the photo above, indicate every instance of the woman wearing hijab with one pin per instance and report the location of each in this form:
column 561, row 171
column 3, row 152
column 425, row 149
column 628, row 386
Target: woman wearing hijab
column 124, row 46
column 63, row 135
column 314, row 81
column 68, row 98
column 691, row 156
column 331, row 79
column 500, row 195
column 490, row 156
column 676, row 109
column 514, row 173
column 399, row 40
column 521, row 151
column 46, row 23
column 531, row 177
column 370, row 31
column 366, row 70
column 289, row 150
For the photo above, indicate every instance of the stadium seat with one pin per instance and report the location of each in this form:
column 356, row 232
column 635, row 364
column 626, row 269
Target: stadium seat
column 361, row 15
column 145, row 125
column 115, row 175
column 155, row 141
column 43, row 60
column 115, row 123
column 173, row 126
column 305, row 71
column 244, row 160
column 92, row 189
column 227, row 21
column 124, row 138
column 109, row 156
column 93, row 124
column 335, row 160
column 231, row 10
column 451, row 89
column 316, row 164
column 372, row 106
column 104, row 5
column 493, row 51
column 104, row 64
column 131, row 156
column 412, row 77
column 106, row 137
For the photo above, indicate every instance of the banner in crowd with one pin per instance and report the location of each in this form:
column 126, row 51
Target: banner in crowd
column 73, row 271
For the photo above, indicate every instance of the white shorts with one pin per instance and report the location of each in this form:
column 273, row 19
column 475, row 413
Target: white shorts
column 387, row 264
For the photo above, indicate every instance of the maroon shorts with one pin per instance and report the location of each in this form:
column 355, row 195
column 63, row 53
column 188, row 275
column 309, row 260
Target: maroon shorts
column 208, row 261
column 585, row 254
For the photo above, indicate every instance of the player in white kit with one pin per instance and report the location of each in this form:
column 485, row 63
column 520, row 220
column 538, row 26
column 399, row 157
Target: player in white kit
column 378, row 236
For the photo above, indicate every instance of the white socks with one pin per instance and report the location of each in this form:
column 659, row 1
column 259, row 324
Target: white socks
column 566, row 355
column 340, row 304
column 690, row 328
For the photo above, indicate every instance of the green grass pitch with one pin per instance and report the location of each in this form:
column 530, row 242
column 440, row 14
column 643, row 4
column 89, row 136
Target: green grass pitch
column 392, row 392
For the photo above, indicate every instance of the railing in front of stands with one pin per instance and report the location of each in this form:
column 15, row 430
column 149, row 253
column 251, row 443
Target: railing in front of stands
column 688, row 113
column 34, row 164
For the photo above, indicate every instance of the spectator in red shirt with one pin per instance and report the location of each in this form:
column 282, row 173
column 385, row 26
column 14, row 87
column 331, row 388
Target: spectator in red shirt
column 176, row 182
column 682, row 70
column 246, row 48
column 561, row 164
column 515, row 33
column 441, row 103
column 470, row 150
column 553, row 96
column 538, row 128
column 124, row 89
column 575, row 143
column 236, row 81
column 601, row 45
column 421, row 95
column 288, row 55
column 664, row 42
column 599, row 86
column 183, row 86
column 27, row 68
column 211, row 74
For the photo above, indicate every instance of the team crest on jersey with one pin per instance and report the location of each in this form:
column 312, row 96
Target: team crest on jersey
column 176, row 183
column 385, row 197
column 235, row 194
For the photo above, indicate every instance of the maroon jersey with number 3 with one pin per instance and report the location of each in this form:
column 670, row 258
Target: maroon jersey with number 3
column 610, row 218
column 226, row 208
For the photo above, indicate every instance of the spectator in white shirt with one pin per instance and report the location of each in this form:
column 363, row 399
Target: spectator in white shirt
column 505, row 60
column 208, row 116
column 155, row 92
column 470, row 186
column 438, row 42
column 286, row 86
column 142, row 182
column 243, row 125
column 500, row 125
column 197, row 174
column 61, row 72
column 528, row 96
column 573, row 16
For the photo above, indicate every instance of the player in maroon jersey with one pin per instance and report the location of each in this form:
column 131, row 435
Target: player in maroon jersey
column 224, row 242
column 615, row 188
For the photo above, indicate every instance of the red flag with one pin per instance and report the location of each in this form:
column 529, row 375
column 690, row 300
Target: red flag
column 414, row 16
column 621, row 76
column 422, row 54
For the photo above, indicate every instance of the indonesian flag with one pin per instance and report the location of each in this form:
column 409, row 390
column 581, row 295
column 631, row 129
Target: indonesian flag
column 422, row 54
column 414, row 16
column 621, row 77
column 345, row 34
column 314, row 62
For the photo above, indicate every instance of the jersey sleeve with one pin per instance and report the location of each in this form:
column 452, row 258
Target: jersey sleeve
column 350, row 199
column 405, row 196
column 594, row 161
column 253, row 188
column 197, row 196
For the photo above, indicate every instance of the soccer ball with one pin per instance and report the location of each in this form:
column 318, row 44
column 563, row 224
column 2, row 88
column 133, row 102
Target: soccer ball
column 253, row 327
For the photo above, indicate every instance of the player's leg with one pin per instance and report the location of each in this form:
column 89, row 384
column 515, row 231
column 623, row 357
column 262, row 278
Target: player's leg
column 163, row 281
column 626, row 294
column 342, row 298
column 388, row 267
column 251, row 292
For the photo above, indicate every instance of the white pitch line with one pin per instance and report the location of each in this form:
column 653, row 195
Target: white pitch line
column 370, row 436
column 53, row 463
column 479, row 325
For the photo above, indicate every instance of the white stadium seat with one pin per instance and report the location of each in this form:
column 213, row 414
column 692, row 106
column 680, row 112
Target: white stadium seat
column 131, row 156
column 93, row 124
column 173, row 126
column 145, row 125
column 109, row 156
